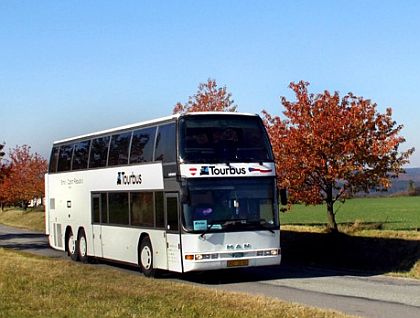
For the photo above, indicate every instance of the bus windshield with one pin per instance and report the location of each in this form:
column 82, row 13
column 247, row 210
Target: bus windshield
column 223, row 138
column 231, row 204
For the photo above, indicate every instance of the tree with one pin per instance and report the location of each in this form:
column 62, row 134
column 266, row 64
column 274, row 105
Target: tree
column 411, row 188
column 1, row 152
column 25, row 180
column 330, row 147
column 4, row 174
column 208, row 98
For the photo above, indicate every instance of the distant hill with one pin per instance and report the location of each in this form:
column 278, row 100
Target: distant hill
column 400, row 184
column 411, row 174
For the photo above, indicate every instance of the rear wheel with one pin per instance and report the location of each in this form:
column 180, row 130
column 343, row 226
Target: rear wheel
column 72, row 250
column 82, row 246
column 146, row 258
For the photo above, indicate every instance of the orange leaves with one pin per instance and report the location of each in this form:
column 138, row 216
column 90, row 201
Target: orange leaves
column 328, row 143
column 25, row 176
column 208, row 98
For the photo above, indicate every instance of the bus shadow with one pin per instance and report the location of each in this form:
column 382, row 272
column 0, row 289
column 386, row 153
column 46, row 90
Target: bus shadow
column 310, row 255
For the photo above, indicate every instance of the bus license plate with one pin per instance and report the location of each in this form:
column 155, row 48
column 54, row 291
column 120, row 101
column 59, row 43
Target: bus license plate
column 238, row 262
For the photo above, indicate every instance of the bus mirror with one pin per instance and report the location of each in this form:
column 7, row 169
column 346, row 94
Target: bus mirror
column 283, row 196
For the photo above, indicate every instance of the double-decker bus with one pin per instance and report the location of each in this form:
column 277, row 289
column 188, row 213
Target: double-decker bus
column 182, row 193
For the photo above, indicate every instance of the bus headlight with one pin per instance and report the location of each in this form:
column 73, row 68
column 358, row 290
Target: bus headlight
column 200, row 257
column 273, row 252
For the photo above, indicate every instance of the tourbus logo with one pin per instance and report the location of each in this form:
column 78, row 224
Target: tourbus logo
column 123, row 179
column 225, row 171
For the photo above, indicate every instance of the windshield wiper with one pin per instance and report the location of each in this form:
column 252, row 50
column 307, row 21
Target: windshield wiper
column 223, row 223
column 209, row 227
column 263, row 223
column 234, row 222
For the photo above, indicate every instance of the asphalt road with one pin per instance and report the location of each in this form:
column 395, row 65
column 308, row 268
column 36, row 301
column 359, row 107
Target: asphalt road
column 356, row 294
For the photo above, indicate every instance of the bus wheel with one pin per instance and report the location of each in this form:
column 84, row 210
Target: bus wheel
column 82, row 246
column 72, row 250
column 146, row 258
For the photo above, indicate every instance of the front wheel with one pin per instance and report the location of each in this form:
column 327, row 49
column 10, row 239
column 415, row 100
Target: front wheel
column 72, row 249
column 146, row 258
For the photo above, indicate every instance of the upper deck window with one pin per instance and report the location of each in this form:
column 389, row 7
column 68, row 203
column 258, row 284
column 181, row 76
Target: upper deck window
column 228, row 138
column 81, row 155
column 142, row 145
column 99, row 152
column 54, row 159
column 166, row 143
column 118, row 151
column 64, row 159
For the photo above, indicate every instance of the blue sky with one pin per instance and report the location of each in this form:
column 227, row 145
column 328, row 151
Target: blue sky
column 74, row 67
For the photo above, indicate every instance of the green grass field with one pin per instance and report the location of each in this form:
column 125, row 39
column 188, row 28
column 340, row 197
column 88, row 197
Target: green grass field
column 393, row 213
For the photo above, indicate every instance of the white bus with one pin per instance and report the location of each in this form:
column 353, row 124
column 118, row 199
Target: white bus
column 182, row 193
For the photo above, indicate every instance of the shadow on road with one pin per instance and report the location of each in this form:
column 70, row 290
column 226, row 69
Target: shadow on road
column 338, row 250
column 24, row 241
column 307, row 255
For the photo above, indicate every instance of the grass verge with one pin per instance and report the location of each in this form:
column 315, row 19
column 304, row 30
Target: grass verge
column 32, row 286
column 33, row 220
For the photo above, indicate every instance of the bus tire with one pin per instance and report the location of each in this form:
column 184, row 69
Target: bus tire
column 72, row 249
column 82, row 246
column 146, row 258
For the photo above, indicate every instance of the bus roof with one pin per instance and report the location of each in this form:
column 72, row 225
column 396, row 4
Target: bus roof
column 146, row 123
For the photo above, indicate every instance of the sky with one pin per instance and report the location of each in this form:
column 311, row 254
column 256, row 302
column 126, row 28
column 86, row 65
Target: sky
column 73, row 67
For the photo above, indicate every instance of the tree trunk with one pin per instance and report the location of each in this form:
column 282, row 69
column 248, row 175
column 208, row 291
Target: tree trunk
column 332, row 224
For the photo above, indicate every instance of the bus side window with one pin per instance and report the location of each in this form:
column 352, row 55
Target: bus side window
column 118, row 208
column 96, row 208
column 64, row 158
column 99, row 152
column 104, row 208
column 141, row 208
column 166, row 143
column 54, row 159
column 99, row 208
column 81, row 155
column 159, row 212
column 142, row 145
column 118, row 150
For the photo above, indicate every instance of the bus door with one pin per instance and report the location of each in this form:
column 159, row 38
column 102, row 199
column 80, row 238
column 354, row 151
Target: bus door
column 97, row 214
column 173, row 237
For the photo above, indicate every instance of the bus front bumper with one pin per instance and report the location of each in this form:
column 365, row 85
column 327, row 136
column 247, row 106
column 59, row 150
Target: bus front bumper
column 214, row 261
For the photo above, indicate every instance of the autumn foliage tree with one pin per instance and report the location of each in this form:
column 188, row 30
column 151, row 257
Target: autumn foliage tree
column 25, row 176
column 208, row 98
column 329, row 147
column 4, row 173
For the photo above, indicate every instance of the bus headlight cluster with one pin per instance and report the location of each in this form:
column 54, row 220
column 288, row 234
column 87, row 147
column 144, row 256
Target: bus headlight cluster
column 272, row 252
column 199, row 257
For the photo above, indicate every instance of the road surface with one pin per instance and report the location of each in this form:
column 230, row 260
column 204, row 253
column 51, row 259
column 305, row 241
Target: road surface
column 355, row 294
